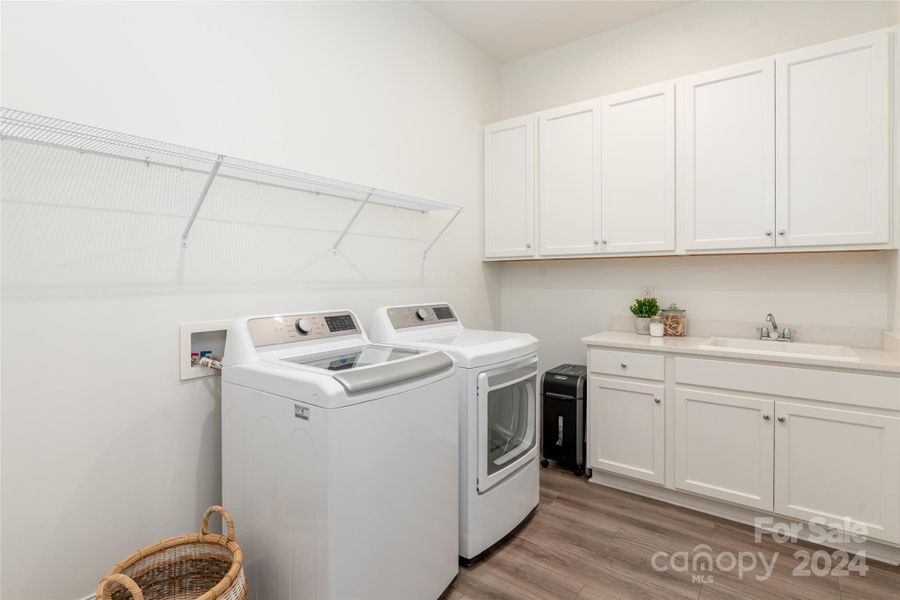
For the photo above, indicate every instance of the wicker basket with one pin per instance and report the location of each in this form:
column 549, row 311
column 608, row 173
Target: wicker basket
column 196, row 566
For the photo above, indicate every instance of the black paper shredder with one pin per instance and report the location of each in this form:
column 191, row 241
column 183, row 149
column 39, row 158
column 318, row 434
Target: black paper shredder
column 563, row 416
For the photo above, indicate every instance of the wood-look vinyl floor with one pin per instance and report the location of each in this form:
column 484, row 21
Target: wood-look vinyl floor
column 589, row 542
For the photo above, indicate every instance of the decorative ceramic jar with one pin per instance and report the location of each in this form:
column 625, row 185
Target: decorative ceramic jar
column 642, row 325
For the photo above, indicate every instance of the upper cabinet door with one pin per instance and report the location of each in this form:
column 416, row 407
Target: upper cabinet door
column 833, row 136
column 727, row 157
column 638, row 170
column 509, row 188
column 569, row 180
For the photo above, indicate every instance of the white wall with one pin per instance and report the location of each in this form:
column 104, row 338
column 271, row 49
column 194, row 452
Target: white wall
column 560, row 301
column 689, row 39
column 103, row 449
column 894, row 292
column 564, row 300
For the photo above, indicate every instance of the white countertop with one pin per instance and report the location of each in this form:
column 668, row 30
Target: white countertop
column 869, row 359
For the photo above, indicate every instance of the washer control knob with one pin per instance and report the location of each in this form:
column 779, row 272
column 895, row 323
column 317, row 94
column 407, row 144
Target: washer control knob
column 303, row 326
column 422, row 314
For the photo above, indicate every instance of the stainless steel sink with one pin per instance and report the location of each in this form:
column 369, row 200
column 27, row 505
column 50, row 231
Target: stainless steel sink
column 773, row 348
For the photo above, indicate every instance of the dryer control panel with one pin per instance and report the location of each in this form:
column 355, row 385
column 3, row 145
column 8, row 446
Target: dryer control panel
column 415, row 316
column 283, row 329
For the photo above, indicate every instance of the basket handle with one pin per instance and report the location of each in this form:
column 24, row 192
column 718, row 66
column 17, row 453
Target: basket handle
column 204, row 524
column 125, row 581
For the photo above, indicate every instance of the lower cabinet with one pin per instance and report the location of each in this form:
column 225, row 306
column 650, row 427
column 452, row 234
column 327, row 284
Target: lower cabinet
column 838, row 464
column 627, row 428
column 724, row 446
column 739, row 433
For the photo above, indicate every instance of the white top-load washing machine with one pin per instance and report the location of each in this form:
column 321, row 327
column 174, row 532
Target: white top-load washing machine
column 339, row 460
column 497, row 372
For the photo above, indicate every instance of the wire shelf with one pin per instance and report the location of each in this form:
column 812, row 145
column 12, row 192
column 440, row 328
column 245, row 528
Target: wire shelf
column 40, row 129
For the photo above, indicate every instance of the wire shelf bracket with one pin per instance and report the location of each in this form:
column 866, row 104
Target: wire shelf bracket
column 49, row 131
column 200, row 200
column 352, row 220
column 441, row 232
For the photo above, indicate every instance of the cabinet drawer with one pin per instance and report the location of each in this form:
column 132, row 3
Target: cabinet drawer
column 628, row 364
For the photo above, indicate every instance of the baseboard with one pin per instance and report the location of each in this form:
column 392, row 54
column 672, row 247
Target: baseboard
column 875, row 550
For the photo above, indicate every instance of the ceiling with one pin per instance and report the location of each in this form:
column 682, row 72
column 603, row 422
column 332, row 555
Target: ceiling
column 510, row 29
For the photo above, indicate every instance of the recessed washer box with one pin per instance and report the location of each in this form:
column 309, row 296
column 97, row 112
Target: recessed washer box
column 199, row 337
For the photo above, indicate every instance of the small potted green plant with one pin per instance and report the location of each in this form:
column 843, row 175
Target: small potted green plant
column 643, row 309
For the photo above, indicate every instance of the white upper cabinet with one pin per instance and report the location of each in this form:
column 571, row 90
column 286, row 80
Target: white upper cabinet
column 569, row 180
column 637, row 157
column 509, row 188
column 726, row 157
column 833, row 136
column 790, row 152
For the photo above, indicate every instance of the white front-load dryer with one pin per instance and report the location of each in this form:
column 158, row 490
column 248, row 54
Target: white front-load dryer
column 339, row 460
column 498, row 391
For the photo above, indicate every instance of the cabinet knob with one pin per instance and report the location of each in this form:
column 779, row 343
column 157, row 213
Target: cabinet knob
column 781, row 419
column 596, row 242
column 766, row 417
column 528, row 245
column 781, row 232
column 624, row 365
column 603, row 242
column 768, row 232
column 657, row 400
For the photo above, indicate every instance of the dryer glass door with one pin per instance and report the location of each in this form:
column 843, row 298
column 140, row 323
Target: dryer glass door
column 507, row 417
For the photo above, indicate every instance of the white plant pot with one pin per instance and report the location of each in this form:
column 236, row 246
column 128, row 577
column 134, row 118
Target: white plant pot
column 642, row 325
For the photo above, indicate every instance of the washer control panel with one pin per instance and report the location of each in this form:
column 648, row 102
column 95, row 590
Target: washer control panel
column 283, row 329
column 402, row 317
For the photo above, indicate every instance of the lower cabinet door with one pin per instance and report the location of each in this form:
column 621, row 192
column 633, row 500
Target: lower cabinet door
column 724, row 447
column 627, row 428
column 838, row 465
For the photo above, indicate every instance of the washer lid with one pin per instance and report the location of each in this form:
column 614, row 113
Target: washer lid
column 352, row 358
column 363, row 368
column 475, row 347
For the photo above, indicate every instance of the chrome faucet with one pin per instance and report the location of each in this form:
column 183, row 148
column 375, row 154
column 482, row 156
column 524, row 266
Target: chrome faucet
column 785, row 335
